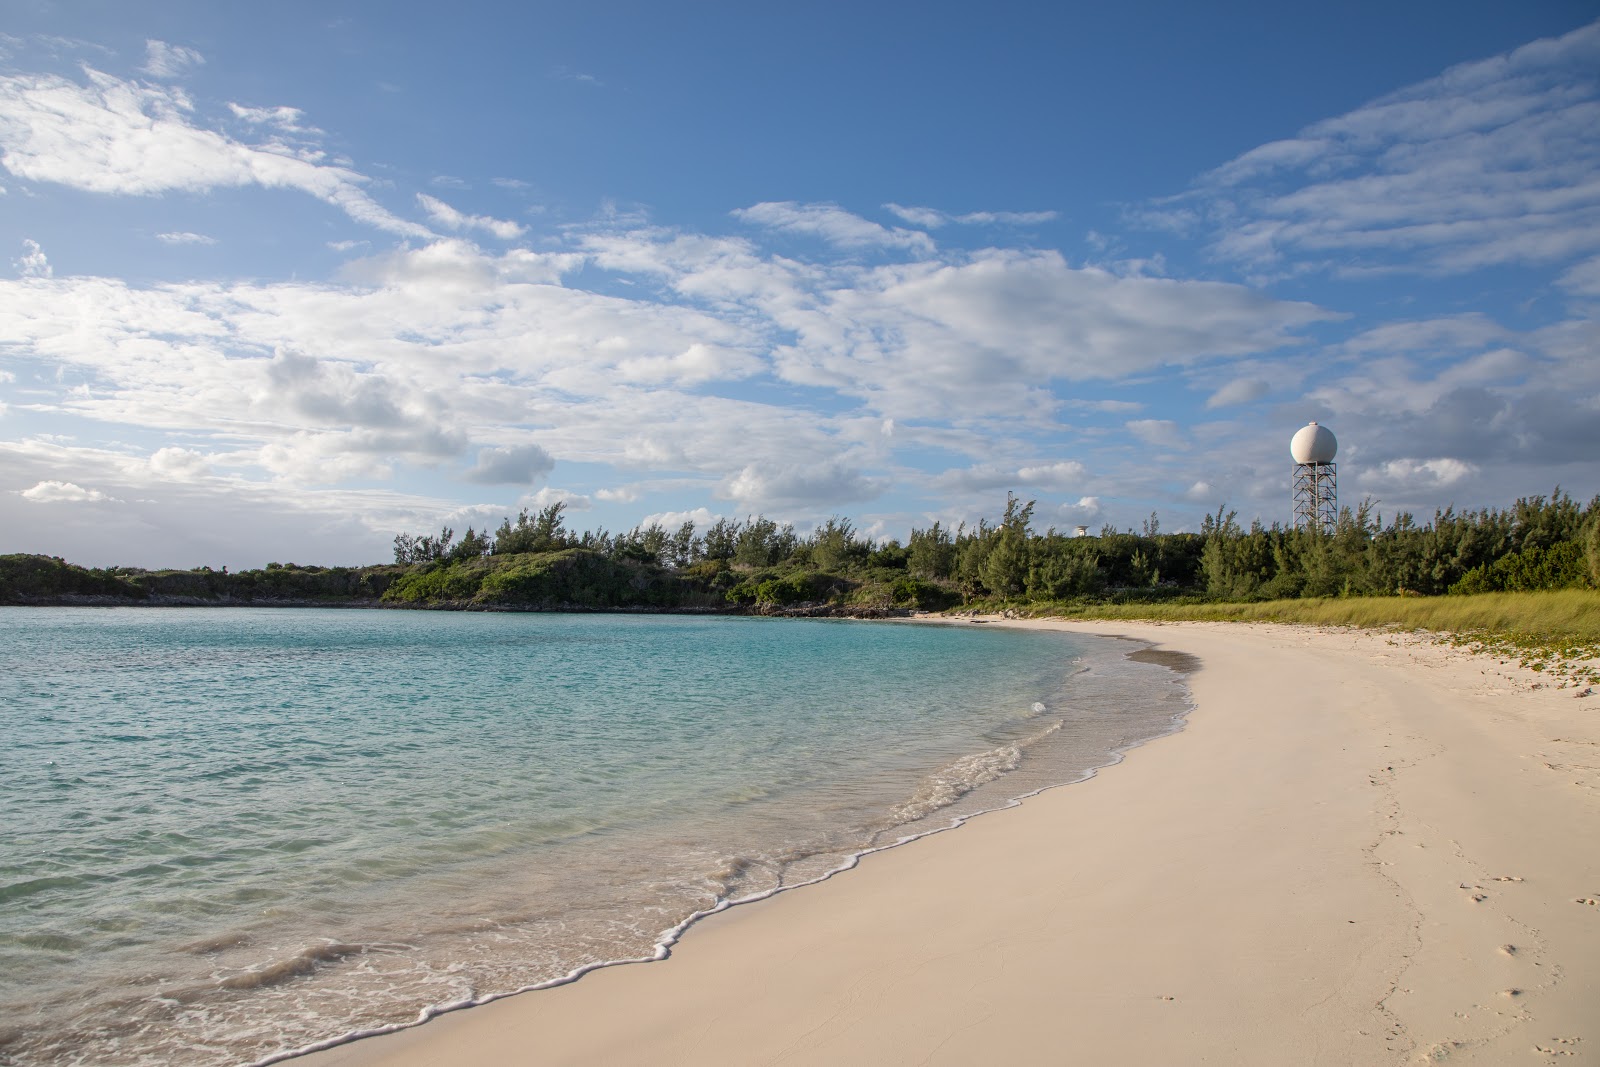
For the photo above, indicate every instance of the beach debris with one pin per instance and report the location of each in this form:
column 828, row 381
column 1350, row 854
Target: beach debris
column 1587, row 690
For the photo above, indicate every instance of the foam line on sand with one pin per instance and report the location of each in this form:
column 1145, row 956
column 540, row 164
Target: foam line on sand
column 1364, row 848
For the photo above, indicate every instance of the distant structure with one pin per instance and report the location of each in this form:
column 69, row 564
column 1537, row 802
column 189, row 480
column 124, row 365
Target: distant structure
column 1080, row 531
column 1316, row 484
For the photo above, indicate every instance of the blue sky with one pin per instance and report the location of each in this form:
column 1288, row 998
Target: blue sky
column 279, row 281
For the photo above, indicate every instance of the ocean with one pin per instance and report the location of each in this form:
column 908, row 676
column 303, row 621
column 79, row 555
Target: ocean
column 230, row 834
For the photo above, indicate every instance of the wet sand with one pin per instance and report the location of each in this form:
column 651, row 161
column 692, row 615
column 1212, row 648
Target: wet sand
column 1363, row 848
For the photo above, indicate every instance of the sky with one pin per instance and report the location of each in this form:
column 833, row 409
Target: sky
column 280, row 281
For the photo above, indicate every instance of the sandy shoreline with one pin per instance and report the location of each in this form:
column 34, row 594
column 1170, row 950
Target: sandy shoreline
column 1362, row 849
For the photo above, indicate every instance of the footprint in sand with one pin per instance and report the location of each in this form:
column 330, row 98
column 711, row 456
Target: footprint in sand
column 1506, row 878
column 1591, row 901
column 1569, row 1051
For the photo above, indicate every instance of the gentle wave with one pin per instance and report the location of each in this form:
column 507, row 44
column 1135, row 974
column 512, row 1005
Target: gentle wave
column 408, row 815
column 962, row 770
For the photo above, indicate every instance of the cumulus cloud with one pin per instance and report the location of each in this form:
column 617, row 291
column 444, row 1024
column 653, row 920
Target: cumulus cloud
column 1083, row 512
column 574, row 501
column 33, row 263
column 1414, row 474
column 451, row 219
column 287, row 119
column 767, row 486
column 108, row 135
column 1051, row 477
column 180, row 464
column 163, row 60
column 512, row 465
column 62, row 492
column 671, row 520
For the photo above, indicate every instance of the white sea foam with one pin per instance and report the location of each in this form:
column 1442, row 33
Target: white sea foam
column 593, row 840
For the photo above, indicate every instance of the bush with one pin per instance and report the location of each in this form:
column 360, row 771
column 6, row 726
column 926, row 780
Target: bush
column 1561, row 566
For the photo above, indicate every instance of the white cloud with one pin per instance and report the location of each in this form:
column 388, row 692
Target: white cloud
column 1582, row 279
column 671, row 520
column 768, row 485
column 1417, row 474
column 122, row 138
column 33, row 263
column 570, row 75
column 1051, row 477
column 990, row 333
column 183, row 237
column 1238, row 391
column 163, row 60
column 1085, row 511
column 62, row 492
column 1159, row 433
column 931, row 218
column 448, row 217
column 512, row 465
column 547, row 496
column 1491, row 162
column 179, row 464
column 287, row 119
column 832, row 224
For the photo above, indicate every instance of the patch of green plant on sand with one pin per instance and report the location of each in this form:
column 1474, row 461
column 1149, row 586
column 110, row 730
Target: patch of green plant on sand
column 1555, row 632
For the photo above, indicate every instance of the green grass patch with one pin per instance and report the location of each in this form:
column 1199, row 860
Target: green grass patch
column 1554, row 631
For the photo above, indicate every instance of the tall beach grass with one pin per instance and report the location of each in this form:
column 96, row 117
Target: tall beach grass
column 1557, row 615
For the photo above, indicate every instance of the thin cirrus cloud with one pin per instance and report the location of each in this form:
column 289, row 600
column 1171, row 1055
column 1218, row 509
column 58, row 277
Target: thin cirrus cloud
column 832, row 224
column 931, row 218
column 163, row 60
column 1238, row 391
column 113, row 136
column 184, row 237
column 448, row 217
column 1491, row 162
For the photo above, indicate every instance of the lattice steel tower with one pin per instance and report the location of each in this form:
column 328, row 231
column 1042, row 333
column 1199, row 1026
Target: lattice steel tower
column 1316, row 483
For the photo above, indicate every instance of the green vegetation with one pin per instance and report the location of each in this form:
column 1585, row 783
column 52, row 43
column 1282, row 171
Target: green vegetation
column 1462, row 572
column 48, row 579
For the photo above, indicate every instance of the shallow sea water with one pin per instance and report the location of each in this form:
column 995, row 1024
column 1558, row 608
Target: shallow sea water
column 226, row 834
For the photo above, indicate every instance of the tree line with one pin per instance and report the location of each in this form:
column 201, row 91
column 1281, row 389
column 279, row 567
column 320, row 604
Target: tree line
column 1538, row 543
column 536, row 561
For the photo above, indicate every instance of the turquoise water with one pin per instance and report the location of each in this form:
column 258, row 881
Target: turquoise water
column 230, row 833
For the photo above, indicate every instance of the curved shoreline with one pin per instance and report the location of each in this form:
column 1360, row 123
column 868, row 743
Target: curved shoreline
column 1364, row 849
column 663, row 949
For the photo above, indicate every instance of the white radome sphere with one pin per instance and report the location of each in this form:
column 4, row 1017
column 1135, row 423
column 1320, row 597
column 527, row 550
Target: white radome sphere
column 1313, row 444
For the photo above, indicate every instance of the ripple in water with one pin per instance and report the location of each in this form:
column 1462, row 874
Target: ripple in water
column 233, row 833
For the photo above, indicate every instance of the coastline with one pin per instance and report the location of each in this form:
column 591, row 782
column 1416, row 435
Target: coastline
column 1359, row 850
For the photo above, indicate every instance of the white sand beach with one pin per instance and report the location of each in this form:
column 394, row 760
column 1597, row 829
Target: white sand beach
column 1362, row 849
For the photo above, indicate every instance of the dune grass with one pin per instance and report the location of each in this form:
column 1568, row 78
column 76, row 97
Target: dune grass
column 1557, row 614
column 1555, row 631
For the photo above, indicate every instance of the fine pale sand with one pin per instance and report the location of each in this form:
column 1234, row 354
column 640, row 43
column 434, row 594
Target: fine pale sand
column 1362, row 849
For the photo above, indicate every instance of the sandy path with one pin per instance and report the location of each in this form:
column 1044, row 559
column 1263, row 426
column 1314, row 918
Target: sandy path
column 1363, row 849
